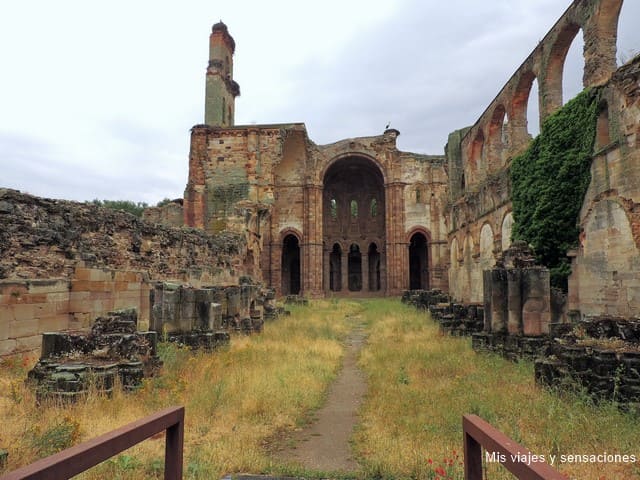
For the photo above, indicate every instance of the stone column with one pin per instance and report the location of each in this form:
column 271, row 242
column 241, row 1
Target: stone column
column 326, row 268
column 312, row 273
column 536, row 298
column 344, row 274
column 365, row 272
column 514, row 301
column 487, row 294
column 499, row 292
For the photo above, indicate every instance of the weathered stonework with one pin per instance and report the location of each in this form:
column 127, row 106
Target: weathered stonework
column 63, row 264
column 356, row 217
column 72, row 363
column 478, row 214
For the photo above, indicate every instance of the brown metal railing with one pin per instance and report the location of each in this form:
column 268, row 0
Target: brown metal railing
column 513, row 456
column 77, row 459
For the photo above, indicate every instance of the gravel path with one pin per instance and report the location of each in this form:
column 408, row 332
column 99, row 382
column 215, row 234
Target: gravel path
column 324, row 445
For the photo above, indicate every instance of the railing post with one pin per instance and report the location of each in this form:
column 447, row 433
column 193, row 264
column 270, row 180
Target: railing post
column 173, row 457
column 472, row 457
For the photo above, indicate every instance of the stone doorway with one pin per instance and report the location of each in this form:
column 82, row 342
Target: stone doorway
column 418, row 262
column 355, row 268
column 353, row 206
column 374, row 268
column 335, row 268
column 290, row 265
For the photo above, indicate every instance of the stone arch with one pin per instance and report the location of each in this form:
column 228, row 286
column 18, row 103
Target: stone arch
column 291, row 263
column 335, row 268
column 519, row 105
column 468, row 274
column 505, row 231
column 476, row 157
column 487, row 259
column 419, row 241
column 354, row 268
column 497, row 141
column 374, row 279
column 626, row 31
column 350, row 184
column 350, row 155
column 555, row 69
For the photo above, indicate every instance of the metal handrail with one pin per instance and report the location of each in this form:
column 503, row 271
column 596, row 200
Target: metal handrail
column 513, row 456
column 77, row 459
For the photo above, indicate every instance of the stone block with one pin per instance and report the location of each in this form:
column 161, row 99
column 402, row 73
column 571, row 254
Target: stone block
column 4, row 327
column 24, row 328
column 8, row 346
column 48, row 286
column 80, row 306
column 126, row 276
column 23, row 312
column 53, row 323
column 33, row 342
column 81, row 273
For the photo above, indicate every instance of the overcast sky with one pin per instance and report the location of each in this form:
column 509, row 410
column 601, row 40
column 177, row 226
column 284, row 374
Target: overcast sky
column 97, row 98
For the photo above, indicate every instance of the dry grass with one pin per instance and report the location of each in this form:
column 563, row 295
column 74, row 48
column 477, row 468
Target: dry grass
column 235, row 400
column 421, row 383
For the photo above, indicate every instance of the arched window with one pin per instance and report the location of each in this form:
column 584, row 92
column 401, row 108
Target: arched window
column 374, row 207
column 354, row 209
column 418, row 195
column 333, row 207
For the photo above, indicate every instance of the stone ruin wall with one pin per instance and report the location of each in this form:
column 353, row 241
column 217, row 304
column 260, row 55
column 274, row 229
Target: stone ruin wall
column 172, row 214
column 266, row 181
column 478, row 215
column 62, row 264
column 606, row 265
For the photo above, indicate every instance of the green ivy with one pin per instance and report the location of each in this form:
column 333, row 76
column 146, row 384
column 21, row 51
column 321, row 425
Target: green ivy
column 550, row 180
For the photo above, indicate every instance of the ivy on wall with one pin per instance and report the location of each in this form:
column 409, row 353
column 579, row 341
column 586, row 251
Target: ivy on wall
column 549, row 182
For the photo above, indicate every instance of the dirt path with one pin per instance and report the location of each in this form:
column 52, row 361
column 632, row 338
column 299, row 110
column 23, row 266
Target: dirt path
column 324, row 445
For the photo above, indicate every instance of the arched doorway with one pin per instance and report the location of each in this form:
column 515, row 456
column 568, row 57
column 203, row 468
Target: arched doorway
column 355, row 268
column 374, row 268
column 418, row 262
column 353, row 206
column 290, row 265
column 335, row 268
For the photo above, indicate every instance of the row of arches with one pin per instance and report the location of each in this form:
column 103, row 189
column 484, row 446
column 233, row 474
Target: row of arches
column 354, row 269
column 357, row 279
column 467, row 251
column 578, row 52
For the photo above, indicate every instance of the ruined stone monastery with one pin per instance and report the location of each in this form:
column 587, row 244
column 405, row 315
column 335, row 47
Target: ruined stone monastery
column 360, row 217
column 357, row 217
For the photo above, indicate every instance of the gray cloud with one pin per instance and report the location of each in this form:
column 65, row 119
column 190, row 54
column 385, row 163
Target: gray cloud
column 98, row 104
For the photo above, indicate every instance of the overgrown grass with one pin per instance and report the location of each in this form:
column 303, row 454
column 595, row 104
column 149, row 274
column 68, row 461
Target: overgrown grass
column 421, row 383
column 235, row 400
column 263, row 386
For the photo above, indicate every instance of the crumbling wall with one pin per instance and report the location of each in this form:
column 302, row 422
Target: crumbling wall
column 62, row 264
column 606, row 264
column 479, row 160
column 171, row 213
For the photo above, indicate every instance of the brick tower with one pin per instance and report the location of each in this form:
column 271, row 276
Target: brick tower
column 221, row 89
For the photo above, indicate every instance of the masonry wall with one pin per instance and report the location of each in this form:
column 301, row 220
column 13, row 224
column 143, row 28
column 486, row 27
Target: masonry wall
column 478, row 213
column 62, row 264
column 606, row 265
column 268, row 181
